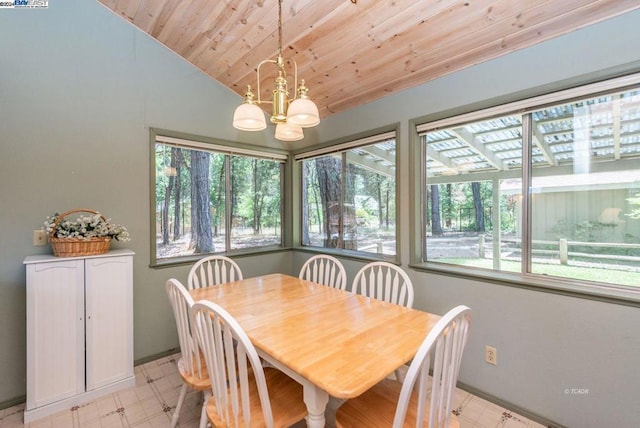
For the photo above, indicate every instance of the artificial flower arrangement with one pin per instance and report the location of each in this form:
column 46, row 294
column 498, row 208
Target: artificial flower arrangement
column 87, row 235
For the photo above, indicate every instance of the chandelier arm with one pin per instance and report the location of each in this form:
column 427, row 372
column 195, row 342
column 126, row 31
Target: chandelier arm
column 258, row 76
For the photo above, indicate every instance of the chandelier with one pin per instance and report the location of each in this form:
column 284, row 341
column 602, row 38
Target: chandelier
column 289, row 115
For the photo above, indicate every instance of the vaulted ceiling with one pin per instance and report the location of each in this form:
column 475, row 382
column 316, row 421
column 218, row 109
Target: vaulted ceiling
column 351, row 52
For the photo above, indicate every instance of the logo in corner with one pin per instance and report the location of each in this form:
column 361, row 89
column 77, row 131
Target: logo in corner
column 24, row 4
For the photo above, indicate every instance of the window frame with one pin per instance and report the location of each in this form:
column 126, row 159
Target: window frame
column 231, row 148
column 524, row 107
column 341, row 146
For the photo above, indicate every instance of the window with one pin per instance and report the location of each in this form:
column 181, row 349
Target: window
column 211, row 198
column 349, row 196
column 470, row 170
column 579, row 220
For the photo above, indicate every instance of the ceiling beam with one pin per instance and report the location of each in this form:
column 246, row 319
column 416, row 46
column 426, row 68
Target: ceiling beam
column 437, row 156
column 376, row 167
column 379, row 153
column 479, row 147
column 543, row 146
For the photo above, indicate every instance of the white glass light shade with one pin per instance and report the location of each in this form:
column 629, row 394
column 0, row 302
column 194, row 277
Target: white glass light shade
column 288, row 132
column 303, row 112
column 249, row 117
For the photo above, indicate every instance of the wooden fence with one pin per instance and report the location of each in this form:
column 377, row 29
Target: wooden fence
column 563, row 249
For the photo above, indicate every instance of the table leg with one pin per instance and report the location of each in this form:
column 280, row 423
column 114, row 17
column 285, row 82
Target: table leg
column 316, row 400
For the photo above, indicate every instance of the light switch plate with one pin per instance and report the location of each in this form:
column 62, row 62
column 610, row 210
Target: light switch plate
column 39, row 238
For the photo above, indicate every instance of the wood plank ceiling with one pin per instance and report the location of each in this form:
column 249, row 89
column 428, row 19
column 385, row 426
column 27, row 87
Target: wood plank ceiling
column 351, row 52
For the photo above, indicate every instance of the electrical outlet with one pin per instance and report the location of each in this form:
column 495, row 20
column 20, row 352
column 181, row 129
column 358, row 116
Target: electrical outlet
column 39, row 238
column 491, row 355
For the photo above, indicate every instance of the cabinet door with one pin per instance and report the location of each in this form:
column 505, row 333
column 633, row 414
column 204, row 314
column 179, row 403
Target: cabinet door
column 109, row 309
column 55, row 331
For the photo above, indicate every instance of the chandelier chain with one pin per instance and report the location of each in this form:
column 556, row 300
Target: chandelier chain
column 280, row 27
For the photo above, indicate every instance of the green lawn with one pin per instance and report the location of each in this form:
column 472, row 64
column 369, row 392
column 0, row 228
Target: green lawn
column 594, row 272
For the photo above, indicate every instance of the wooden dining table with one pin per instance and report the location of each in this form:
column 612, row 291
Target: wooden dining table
column 331, row 341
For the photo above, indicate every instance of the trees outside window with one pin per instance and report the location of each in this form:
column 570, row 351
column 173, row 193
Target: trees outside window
column 212, row 201
column 201, row 230
column 349, row 198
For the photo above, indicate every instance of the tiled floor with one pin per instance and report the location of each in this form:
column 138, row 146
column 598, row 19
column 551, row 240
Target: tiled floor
column 151, row 402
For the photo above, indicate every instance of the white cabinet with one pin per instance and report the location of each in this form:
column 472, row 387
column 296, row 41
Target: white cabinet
column 79, row 329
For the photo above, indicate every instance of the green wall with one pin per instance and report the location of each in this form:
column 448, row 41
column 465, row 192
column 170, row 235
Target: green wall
column 79, row 90
column 547, row 342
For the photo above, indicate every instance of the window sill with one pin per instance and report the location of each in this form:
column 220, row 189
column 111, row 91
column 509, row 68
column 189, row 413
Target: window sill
column 349, row 254
column 586, row 290
column 187, row 260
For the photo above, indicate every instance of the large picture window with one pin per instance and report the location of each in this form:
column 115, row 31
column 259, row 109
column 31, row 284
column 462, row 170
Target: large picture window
column 578, row 217
column 214, row 199
column 349, row 196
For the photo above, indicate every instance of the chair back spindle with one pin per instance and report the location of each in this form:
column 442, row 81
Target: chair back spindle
column 384, row 281
column 213, row 270
column 324, row 269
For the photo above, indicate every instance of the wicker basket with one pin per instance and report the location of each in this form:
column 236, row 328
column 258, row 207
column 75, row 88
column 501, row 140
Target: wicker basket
column 72, row 247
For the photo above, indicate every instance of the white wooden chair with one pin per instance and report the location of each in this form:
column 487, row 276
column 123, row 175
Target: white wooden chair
column 244, row 393
column 384, row 281
column 213, row 270
column 324, row 269
column 191, row 366
column 427, row 404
